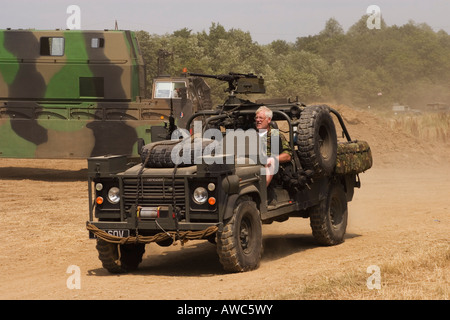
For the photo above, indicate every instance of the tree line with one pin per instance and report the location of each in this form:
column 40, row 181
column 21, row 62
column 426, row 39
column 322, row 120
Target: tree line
column 362, row 67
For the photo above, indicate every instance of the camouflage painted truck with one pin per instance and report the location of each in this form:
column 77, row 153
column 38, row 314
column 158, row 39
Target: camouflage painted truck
column 164, row 200
column 78, row 94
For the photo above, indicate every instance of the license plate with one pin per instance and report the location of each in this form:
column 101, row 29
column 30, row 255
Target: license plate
column 123, row 233
column 117, row 233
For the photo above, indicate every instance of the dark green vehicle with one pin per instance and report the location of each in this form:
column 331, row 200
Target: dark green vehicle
column 225, row 201
column 77, row 94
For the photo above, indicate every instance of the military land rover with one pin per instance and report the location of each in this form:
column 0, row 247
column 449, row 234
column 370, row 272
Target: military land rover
column 221, row 194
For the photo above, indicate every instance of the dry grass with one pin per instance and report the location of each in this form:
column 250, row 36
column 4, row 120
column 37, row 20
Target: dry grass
column 422, row 273
column 433, row 127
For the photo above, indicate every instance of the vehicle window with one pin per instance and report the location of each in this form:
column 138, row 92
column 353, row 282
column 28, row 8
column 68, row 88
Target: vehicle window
column 97, row 43
column 52, row 46
column 169, row 89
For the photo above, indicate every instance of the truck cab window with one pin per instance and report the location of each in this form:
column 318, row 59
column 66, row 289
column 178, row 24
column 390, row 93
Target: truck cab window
column 169, row 89
column 52, row 46
column 97, row 43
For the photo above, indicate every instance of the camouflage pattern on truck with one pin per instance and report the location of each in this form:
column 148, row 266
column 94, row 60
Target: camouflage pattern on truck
column 77, row 94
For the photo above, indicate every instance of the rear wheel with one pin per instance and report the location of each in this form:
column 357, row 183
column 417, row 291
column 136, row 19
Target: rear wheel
column 328, row 219
column 130, row 256
column 239, row 245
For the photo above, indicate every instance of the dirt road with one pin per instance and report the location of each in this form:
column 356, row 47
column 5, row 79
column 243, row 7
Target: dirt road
column 401, row 211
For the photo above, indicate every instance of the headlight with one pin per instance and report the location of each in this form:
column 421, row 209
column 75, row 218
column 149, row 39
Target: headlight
column 200, row 195
column 211, row 186
column 114, row 195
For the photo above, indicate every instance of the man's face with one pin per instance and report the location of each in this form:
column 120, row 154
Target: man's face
column 261, row 121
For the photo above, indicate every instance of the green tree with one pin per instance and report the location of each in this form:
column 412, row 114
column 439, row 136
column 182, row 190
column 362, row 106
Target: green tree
column 362, row 66
column 332, row 29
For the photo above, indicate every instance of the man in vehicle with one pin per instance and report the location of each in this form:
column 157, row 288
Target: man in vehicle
column 263, row 120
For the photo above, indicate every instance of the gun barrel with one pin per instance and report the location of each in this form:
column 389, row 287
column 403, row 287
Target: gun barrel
column 235, row 82
column 203, row 75
column 224, row 77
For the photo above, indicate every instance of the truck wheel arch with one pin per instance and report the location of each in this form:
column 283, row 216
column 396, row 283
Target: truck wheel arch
column 250, row 191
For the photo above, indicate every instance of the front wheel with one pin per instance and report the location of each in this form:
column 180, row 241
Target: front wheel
column 328, row 219
column 130, row 256
column 239, row 245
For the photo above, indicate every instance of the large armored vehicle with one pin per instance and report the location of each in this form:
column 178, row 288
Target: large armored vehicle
column 223, row 196
column 78, row 94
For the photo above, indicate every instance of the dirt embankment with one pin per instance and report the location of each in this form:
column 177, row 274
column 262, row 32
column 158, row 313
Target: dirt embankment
column 398, row 219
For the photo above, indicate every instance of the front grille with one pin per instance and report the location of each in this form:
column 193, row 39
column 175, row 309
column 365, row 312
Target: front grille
column 153, row 192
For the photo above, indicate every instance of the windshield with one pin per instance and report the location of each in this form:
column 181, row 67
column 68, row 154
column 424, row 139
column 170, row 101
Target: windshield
column 169, row 89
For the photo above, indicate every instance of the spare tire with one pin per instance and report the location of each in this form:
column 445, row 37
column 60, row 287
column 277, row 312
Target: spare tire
column 159, row 154
column 317, row 140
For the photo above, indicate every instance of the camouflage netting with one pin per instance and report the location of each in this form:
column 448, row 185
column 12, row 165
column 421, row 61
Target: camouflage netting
column 353, row 157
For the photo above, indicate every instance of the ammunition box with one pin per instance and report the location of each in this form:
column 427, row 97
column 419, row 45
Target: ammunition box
column 105, row 166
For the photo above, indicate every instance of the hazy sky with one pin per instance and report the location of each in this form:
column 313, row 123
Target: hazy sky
column 266, row 20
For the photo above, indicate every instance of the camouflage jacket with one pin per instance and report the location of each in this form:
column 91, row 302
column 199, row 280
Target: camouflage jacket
column 284, row 146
